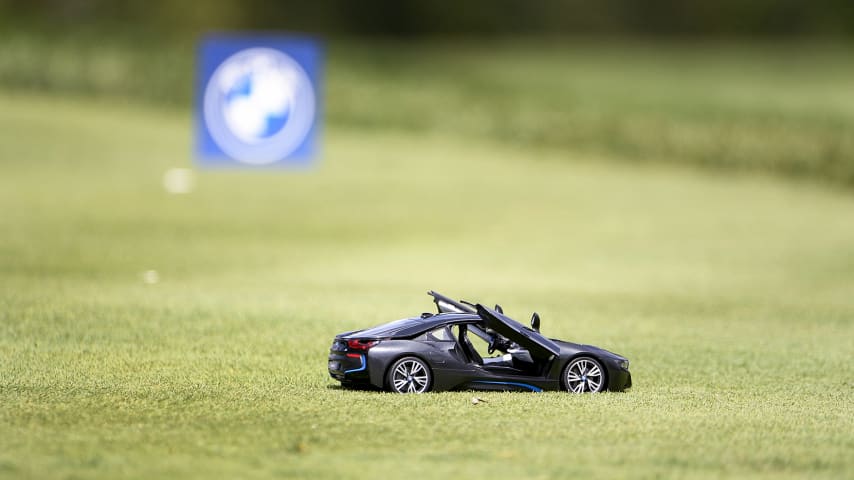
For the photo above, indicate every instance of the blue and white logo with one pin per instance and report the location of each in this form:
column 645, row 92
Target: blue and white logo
column 258, row 101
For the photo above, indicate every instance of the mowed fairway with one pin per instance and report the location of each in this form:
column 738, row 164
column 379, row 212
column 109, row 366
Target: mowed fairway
column 733, row 296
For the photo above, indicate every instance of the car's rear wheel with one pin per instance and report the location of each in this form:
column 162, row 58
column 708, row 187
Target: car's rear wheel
column 409, row 375
column 584, row 374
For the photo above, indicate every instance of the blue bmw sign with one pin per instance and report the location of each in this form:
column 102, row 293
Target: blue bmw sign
column 257, row 100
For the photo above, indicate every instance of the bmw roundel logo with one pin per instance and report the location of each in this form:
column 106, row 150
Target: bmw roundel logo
column 259, row 105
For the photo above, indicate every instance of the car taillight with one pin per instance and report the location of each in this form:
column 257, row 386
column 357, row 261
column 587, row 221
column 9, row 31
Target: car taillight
column 361, row 345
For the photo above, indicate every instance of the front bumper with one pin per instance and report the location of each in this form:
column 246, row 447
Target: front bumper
column 619, row 380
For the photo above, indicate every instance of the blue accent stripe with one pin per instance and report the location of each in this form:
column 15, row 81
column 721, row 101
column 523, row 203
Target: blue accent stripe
column 364, row 365
column 523, row 385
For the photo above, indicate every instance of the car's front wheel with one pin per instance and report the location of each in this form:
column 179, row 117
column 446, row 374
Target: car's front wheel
column 409, row 375
column 584, row 374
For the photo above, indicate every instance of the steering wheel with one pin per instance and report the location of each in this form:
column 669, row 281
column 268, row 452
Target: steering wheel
column 492, row 343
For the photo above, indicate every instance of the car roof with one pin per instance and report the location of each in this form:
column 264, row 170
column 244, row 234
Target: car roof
column 406, row 327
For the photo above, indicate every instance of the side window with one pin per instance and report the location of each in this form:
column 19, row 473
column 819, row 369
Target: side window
column 440, row 334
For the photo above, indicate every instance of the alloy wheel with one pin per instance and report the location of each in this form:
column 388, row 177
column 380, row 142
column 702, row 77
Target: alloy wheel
column 410, row 375
column 584, row 375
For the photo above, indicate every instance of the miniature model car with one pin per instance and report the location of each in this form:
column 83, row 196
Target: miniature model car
column 437, row 352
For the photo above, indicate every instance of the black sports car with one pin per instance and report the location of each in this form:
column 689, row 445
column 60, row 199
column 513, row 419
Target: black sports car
column 437, row 352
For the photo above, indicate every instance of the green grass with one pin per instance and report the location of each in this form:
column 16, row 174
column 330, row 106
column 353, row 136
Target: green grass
column 782, row 107
column 731, row 296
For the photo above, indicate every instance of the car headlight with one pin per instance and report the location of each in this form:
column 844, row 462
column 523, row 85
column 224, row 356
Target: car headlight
column 624, row 364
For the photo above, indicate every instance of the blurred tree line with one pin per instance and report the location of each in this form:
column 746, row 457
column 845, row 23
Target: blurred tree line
column 426, row 17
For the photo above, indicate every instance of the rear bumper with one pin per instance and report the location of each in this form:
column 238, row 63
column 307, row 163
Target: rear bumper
column 348, row 367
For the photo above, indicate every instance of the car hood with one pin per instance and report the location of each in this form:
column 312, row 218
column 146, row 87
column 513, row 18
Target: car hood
column 574, row 348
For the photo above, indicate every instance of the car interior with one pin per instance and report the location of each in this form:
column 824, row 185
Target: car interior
column 480, row 345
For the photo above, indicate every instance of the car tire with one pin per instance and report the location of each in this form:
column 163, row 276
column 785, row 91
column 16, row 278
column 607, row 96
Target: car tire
column 409, row 375
column 584, row 375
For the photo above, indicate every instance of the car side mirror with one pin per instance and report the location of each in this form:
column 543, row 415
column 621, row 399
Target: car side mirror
column 535, row 322
column 498, row 308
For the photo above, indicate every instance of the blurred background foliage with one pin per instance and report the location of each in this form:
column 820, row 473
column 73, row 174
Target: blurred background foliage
column 484, row 148
column 758, row 86
column 425, row 17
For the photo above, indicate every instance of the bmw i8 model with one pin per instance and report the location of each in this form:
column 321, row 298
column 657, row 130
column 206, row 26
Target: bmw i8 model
column 469, row 346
